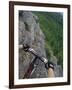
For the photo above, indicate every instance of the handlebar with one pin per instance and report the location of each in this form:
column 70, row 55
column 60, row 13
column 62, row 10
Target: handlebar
column 27, row 48
column 31, row 50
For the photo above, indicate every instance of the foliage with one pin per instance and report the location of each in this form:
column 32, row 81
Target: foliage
column 51, row 24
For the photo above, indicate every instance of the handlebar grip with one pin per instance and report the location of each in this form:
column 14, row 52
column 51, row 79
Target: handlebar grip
column 25, row 47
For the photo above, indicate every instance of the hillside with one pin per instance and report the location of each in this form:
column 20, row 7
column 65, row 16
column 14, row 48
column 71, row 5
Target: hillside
column 52, row 26
column 43, row 33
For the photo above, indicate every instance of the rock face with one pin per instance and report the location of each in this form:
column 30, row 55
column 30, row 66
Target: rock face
column 31, row 34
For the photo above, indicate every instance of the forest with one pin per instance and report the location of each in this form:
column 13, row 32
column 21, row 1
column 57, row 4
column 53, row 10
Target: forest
column 51, row 24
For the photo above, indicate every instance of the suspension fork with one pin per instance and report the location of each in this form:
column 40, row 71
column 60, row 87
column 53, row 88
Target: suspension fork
column 30, row 69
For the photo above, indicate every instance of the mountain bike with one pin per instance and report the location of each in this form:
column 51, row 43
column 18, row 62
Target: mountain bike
column 48, row 64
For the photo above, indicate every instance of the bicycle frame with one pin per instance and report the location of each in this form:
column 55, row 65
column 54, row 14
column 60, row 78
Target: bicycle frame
column 32, row 65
